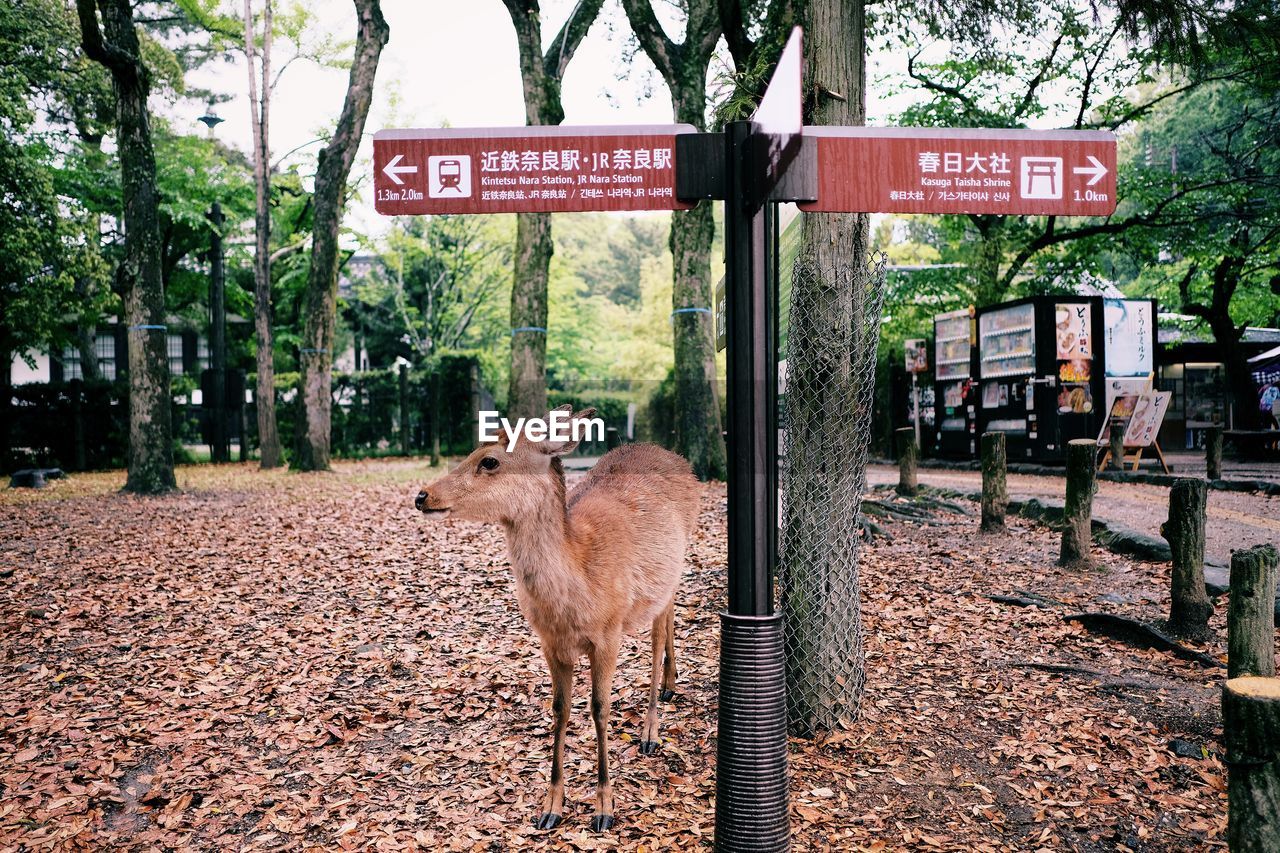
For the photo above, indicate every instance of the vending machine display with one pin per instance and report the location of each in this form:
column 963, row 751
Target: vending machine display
column 1040, row 370
column 953, row 384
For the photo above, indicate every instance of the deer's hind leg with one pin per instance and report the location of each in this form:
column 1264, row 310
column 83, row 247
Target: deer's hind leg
column 669, row 664
column 657, row 641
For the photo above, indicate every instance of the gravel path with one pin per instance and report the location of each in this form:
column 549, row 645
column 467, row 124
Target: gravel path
column 1236, row 519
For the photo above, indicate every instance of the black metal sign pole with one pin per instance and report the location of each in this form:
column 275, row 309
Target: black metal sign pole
column 751, row 755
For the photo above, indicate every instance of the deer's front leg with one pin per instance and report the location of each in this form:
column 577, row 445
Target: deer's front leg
column 561, row 697
column 604, row 660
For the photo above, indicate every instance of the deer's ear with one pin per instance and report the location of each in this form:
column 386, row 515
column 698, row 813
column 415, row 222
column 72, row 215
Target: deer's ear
column 560, row 448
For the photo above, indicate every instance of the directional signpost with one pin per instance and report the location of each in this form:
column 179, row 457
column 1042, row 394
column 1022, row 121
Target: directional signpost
column 525, row 169
column 751, row 166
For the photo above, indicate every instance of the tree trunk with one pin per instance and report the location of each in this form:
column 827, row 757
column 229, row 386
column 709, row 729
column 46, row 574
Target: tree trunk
column 989, row 287
column 116, row 47
column 1251, row 733
column 834, row 329
column 908, row 461
column 404, row 408
column 1077, row 531
column 1251, row 613
column 995, row 490
column 527, row 385
column 1190, row 608
column 1213, row 452
column 270, row 453
column 699, row 437
column 540, row 76
column 328, row 201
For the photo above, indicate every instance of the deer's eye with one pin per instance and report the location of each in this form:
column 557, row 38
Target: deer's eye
column 489, row 463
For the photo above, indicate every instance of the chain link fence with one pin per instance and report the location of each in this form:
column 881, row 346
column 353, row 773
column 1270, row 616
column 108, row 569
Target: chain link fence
column 831, row 365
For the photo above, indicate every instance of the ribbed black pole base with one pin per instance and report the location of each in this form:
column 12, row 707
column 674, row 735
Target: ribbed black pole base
column 751, row 755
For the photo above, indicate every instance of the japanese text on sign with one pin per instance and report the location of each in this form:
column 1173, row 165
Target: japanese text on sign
column 509, row 170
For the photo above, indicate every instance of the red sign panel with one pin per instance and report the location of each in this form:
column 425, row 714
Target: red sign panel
column 923, row 170
column 525, row 169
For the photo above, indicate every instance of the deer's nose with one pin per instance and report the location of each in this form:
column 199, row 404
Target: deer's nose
column 421, row 500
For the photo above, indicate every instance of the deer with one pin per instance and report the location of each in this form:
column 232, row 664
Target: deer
column 590, row 566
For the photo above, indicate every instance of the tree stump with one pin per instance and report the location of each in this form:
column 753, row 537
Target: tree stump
column 995, row 490
column 908, row 459
column 1251, row 615
column 1189, row 608
column 1077, row 512
column 1117, row 445
column 1251, row 734
column 1213, row 452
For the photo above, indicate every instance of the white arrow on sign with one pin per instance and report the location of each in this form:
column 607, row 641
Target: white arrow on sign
column 393, row 171
column 1097, row 170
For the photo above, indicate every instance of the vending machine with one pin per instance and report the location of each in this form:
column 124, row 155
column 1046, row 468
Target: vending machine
column 954, row 388
column 1040, row 373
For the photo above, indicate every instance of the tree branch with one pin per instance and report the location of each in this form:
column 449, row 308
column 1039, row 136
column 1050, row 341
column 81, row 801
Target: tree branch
column 956, row 92
column 95, row 47
column 663, row 52
column 1028, row 97
column 741, row 47
column 570, row 37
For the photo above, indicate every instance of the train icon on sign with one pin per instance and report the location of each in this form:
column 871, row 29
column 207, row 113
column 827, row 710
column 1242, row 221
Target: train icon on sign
column 449, row 176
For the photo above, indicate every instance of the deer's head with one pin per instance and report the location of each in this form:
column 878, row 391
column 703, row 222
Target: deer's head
column 503, row 481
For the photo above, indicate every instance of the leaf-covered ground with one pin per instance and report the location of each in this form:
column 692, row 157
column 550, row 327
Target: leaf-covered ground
column 284, row 661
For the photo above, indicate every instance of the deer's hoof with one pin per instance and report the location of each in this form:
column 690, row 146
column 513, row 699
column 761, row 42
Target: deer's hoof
column 602, row 823
column 550, row 820
column 667, row 695
column 649, row 747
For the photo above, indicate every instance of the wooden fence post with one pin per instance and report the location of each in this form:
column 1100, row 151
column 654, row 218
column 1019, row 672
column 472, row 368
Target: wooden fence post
column 1189, row 608
column 1251, row 734
column 1117, row 445
column 995, row 490
column 1213, row 452
column 1251, row 614
column 908, row 457
column 1077, row 512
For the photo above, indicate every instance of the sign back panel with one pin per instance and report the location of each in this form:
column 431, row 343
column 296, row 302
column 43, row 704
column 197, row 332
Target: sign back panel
column 926, row 170
column 525, row 169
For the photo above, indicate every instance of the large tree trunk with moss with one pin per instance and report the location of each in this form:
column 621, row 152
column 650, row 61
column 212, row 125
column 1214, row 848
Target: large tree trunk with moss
column 527, row 384
column 321, row 296
column 1251, row 735
column 834, row 328
column 115, row 46
column 683, row 66
column 1189, row 608
column 269, row 451
column 1251, row 613
column 540, row 75
column 1077, row 511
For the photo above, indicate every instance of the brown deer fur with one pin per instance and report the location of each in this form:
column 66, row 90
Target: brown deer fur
column 602, row 562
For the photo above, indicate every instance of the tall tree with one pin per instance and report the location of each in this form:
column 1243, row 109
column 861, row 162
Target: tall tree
column 260, row 83
column 321, row 297
column 115, row 45
column 683, row 67
column 541, row 75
